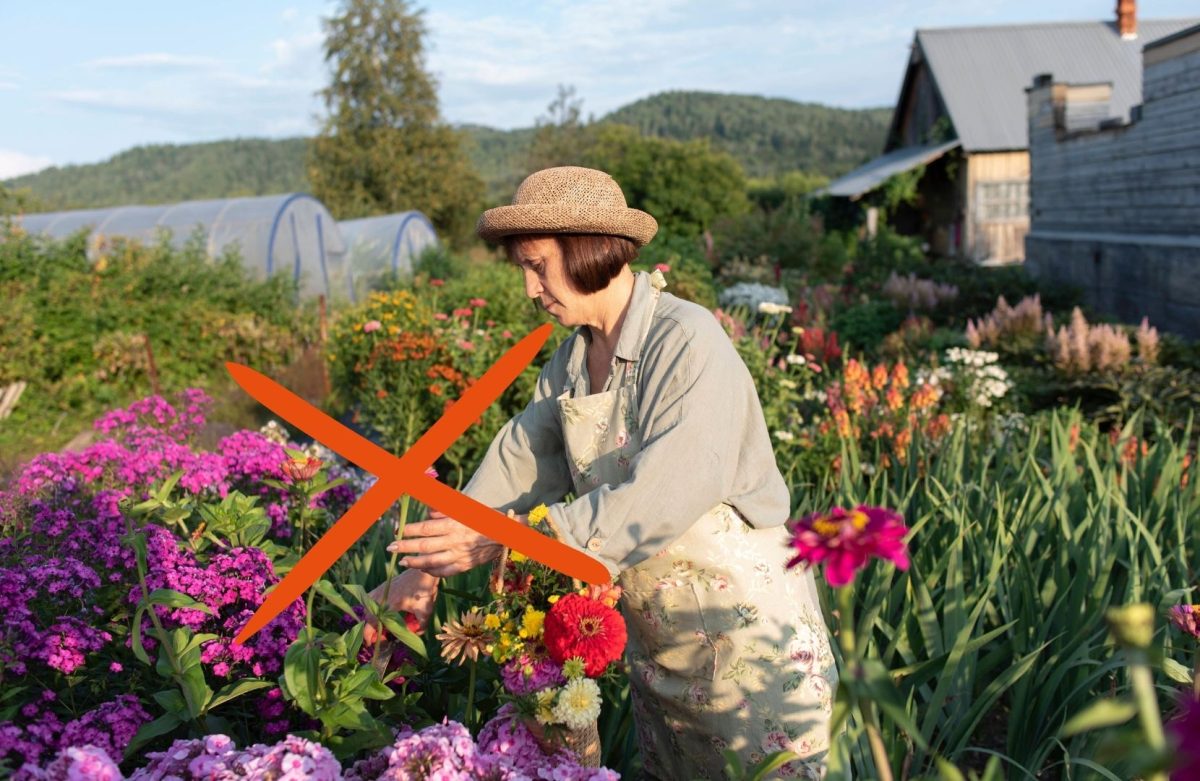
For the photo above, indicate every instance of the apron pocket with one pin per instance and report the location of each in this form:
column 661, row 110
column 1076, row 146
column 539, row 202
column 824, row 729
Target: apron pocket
column 667, row 626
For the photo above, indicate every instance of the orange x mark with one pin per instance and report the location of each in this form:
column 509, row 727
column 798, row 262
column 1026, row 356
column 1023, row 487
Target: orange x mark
column 406, row 474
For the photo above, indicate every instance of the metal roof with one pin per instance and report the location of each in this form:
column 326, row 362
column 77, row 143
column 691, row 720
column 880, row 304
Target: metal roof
column 981, row 73
column 876, row 172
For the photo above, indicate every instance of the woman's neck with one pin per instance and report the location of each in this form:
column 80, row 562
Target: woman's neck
column 608, row 316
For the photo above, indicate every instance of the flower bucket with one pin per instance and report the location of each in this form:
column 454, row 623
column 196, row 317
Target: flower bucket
column 584, row 743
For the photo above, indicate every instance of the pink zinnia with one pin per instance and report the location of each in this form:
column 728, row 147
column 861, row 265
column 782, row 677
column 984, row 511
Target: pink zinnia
column 846, row 539
column 1186, row 619
column 463, row 312
column 371, row 325
column 437, row 282
column 663, row 267
column 478, row 302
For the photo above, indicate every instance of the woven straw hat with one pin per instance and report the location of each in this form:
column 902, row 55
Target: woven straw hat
column 568, row 199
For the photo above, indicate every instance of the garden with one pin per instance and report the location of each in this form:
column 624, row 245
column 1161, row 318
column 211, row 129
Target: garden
column 996, row 487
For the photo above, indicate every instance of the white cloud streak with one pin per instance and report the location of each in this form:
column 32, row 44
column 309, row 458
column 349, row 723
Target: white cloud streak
column 14, row 163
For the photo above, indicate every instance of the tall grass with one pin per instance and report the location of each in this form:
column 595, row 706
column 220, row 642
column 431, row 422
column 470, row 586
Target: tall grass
column 995, row 637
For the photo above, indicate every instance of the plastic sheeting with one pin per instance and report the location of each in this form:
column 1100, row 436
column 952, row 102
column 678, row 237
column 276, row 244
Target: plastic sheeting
column 291, row 234
column 378, row 247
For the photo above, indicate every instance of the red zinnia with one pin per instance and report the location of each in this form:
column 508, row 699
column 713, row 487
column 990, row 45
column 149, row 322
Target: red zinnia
column 591, row 630
column 297, row 470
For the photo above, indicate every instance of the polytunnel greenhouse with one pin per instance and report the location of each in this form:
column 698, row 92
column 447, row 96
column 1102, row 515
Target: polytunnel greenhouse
column 377, row 247
column 291, row 234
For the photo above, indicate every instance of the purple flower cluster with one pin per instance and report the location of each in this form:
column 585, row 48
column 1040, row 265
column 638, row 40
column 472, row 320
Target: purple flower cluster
column 109, row 728
column 524, row 675
column 515, row 755
column 82, row 763
column 216, row 758
column 232, row 585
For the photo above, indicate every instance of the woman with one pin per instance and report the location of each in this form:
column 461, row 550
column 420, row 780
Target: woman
column 650, row 417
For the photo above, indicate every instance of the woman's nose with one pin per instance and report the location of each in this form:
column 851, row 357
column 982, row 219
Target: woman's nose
column 533, row 286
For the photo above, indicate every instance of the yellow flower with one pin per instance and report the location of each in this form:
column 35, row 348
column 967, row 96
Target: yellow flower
column 531, row 624
column 552, row 598
column 492, row 621
column 545, row 705
column 537, row 514
column 516, row 557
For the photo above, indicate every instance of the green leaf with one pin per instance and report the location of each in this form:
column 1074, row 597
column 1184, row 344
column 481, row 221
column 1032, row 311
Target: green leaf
column 170, row 598
column 948, row 772
column 1100, row 714
column 236, row 689
column 771, row 762
column 299, row 661
column 172, row 701
column 399, row 631
column 331, row 595
column 135, row 639
column 161, row 726
column 1176, row 671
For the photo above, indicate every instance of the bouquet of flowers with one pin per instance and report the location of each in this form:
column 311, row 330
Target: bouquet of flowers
column 552, row 639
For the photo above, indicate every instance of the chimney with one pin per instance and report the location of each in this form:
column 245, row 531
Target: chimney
column 1127, row 19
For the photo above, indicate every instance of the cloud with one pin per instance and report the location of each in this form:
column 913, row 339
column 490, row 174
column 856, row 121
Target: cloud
column 154, row 61
column 13, row 163
column 8, row 85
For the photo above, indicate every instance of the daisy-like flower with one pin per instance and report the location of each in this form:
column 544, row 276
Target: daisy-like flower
column 465, row 638
column 1186, row 618
column 297, row 470
column 591, row 630
column 545, row 706
column 846, row 539
column 578, row 703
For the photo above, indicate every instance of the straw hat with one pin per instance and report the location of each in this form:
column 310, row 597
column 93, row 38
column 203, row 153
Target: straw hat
column 568, row 199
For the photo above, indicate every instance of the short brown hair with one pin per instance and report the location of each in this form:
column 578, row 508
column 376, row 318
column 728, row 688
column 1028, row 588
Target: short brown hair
column 590, row 260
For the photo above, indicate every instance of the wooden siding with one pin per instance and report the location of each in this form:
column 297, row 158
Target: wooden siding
column 995, row 189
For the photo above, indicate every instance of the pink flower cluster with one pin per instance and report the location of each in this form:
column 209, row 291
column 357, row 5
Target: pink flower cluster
column 524, row 675
column 108, row 728
column 231, row 585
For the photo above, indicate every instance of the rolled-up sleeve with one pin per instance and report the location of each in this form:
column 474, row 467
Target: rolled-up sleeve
column 525, row 466
column 698, row 411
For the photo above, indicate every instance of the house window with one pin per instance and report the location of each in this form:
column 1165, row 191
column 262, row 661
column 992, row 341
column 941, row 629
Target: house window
column 1002, row 201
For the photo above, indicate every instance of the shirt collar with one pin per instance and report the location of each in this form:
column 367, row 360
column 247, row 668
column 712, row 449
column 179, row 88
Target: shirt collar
column 628, row 343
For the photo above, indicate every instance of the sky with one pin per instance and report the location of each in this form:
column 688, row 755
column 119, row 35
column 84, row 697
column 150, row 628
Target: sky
column 81, row 81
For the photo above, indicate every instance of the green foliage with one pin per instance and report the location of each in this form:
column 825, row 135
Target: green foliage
column 766, row 135
column 560, row 137
column 772, row 192
column 167, row 173
column 77, row 331
column 690, row 277
column 685, row 185
column 864, row 325
column 383, row 147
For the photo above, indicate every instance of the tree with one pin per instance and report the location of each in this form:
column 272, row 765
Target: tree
column 383, row 146
column 560, row 137
column 685, row 185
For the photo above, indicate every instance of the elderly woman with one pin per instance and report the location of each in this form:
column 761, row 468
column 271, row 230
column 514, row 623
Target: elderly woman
column 647, row 413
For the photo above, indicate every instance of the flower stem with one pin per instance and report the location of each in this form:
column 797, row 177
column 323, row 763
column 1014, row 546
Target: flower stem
column 1147, row 704
column 390, row 573
column 848, row 642
column 1196, row 675
column 469, row 715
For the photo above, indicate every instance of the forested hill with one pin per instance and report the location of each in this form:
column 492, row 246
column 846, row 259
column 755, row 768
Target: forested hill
column 767, row 135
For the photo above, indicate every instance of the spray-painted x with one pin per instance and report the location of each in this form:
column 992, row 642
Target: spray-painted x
column 406, row 474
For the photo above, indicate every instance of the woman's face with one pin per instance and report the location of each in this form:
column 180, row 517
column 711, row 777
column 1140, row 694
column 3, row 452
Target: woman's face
column 541, row 262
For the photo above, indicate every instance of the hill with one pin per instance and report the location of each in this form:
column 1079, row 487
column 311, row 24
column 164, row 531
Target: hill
column 767, row 135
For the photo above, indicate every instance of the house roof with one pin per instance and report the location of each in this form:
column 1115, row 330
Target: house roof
column 981, row 73
column 876, row 172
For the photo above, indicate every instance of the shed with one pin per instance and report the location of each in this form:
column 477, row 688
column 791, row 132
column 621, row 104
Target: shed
column 292, row 233
column 961, row 115
column 380, row 246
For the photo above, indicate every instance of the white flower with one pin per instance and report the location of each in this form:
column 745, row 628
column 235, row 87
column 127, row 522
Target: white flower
column 578, row 703
column 768, row 308
column 789, row 384
column 784, row 436
column 796, row 360
column 657, row 280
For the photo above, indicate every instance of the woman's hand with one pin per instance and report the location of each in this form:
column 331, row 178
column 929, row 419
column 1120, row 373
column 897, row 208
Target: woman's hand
column 412, row 591
column 443, row 547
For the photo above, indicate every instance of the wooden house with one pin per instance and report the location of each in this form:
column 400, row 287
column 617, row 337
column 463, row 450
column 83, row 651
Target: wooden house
column 960, row 123
column 1115, row 205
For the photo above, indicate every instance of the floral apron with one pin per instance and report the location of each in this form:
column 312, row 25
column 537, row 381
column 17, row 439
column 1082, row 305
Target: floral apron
column 727, row 648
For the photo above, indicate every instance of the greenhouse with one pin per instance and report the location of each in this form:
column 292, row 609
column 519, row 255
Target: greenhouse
column 291, row 233
column 385, row 245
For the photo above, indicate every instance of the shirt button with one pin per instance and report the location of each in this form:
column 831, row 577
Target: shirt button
column 595, row 544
